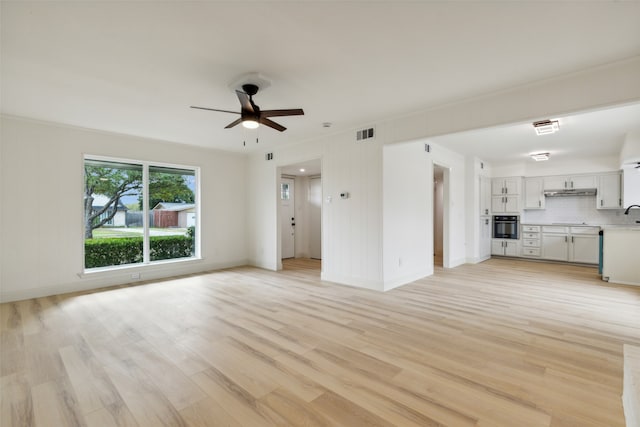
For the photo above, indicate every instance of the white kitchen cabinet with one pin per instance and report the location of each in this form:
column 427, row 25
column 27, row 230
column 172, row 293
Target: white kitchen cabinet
column 505, row 204
column 630, row 185
column 485, row 196
column 574, row 244
column 531, row 241
column 555, row 246
column 533, row 193
column 506, row 186
column 609, row 194
column 620, row 255
column 570, row 182
column 504, row 247
column 485, row 237
column 584, row 248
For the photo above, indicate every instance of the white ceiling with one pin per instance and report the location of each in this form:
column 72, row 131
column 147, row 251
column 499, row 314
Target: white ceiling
column 136, row 67
column 590, row 134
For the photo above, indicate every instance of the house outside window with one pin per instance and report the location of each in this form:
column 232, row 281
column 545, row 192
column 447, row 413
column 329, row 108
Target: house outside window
column 138, row 213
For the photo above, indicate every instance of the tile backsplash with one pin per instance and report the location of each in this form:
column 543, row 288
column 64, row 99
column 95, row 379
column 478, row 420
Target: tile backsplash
column 578, row 209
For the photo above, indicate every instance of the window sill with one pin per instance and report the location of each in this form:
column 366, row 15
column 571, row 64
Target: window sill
column 137, row 268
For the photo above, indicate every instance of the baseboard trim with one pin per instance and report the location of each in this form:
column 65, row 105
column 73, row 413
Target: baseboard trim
column 107, row 279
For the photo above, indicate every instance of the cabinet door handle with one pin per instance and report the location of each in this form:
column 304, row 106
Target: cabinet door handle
column 565, row 238
column 565, row 184
column 571, row 239
column 601, row 202
column 571, row 184
column 486, row 211
column 539, row 203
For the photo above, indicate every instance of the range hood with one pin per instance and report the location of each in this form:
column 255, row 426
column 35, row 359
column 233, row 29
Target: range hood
column 570, row 192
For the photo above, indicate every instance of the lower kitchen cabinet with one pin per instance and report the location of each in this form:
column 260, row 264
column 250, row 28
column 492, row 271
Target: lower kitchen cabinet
column 574, row 244
column 485, row 237
column 531, row 241
column 584, row 248
column 505, row 247
column 555, row 246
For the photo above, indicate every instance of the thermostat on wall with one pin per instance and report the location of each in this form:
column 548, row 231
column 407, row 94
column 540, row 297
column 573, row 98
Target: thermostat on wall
column 344, row 195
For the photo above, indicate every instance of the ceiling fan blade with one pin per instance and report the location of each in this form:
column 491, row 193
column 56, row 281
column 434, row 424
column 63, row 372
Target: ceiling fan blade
column 215, row 109
column 272, row 124
column 276, row 113
column 234, row 123
column 245, row 101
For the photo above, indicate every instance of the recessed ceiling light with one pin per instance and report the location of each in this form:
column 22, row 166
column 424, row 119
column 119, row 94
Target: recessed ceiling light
column 544, row 127
column 540, row 157
column 301, row 169
column 326, row 125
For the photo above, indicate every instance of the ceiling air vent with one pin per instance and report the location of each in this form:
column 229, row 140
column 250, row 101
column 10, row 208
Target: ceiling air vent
column 365, row 134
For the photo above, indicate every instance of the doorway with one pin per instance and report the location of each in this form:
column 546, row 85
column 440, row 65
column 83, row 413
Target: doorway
column 300, row 215
column 441, row 201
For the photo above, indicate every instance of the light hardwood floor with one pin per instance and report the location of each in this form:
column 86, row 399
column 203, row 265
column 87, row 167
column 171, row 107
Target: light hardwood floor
column 502, row 343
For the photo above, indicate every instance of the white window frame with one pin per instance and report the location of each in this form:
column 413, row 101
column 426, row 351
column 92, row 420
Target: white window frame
column 146, row 262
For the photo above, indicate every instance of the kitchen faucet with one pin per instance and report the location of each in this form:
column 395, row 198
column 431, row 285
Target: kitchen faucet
column 626, row 212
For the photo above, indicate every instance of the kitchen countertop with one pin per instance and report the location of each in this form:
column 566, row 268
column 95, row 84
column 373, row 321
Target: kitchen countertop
column 602, row 226
column 565, row 224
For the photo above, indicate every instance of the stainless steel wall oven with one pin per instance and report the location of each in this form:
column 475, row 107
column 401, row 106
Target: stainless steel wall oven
column 506, row 227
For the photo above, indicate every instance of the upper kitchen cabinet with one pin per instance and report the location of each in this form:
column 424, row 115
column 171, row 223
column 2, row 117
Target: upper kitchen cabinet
column 506, row 186
column 573, row 182
column 609, row 194
column 505, row 204
column 506, row 195
column 534, row 193
column 631, row 186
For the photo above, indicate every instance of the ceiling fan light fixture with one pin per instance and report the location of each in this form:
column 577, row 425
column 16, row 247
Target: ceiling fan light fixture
column 545, row 127
column 540, row 157
column 250, row 124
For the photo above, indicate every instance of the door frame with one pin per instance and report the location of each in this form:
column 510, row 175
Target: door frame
column 292, row 198
column 446, row 198
column 279, row 173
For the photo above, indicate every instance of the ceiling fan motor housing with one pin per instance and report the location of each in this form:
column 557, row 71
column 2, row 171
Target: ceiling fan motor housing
column 250, row 89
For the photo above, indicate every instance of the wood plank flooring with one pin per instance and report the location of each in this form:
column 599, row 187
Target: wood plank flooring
column 502, row 343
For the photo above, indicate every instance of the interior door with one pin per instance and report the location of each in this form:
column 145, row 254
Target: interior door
column 315, row 218
column 287, row 217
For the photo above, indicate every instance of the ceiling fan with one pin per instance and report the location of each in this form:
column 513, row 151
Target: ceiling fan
column 250, row 114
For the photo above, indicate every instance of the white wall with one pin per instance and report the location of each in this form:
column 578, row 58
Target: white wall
column 41, row 226
column 352, row 228
column 630, row 152
column 407, row 213
column 408, row 210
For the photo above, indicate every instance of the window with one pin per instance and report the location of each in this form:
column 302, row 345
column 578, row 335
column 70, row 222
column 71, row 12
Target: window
column 284, row 191
column 138, row 213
